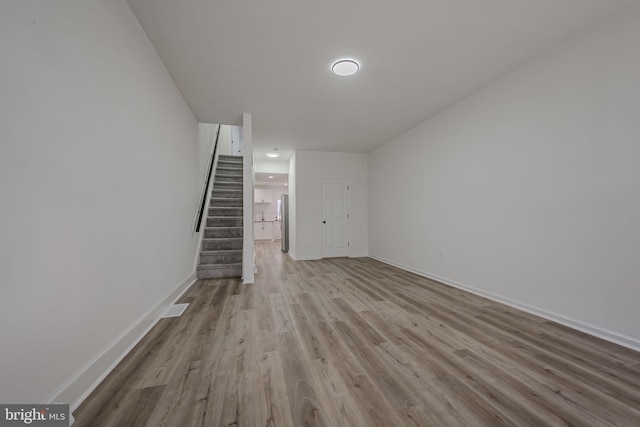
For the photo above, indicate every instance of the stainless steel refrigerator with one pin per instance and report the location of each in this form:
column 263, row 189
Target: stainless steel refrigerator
column 284, row 222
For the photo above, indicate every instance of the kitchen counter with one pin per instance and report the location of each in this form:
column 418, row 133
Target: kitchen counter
column 266, row 230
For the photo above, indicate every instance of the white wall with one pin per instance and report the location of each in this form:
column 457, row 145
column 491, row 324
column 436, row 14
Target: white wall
column 272, row 166
column 293, row 223
column 310, row 168
column 248, row 184
column 531, row 186
column 206, row 138
column 99, row 186
column 224, row 140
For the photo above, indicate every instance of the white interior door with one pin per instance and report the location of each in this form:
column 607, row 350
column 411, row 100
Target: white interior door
column 236, row 149
column 335, row 217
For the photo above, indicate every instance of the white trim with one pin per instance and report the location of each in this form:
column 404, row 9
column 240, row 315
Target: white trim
column 315, row 258
column 587, row 328
column 304, row 258
column 84, row 381
column 248, row 187
column 359, row 256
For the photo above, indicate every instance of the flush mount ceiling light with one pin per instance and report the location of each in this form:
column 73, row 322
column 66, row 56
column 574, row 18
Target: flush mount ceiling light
column 345, row 67
column 273, row 154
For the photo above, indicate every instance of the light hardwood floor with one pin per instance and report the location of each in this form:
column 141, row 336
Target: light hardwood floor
column 354, row 342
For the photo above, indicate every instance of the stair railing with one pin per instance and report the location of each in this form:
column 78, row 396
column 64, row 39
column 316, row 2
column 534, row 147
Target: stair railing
column 207, row 182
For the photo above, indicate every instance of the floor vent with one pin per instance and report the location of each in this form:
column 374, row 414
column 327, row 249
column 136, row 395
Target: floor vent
column 175, row 310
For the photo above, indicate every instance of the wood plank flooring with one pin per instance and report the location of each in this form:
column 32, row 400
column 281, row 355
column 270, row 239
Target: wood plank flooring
column 354, row 342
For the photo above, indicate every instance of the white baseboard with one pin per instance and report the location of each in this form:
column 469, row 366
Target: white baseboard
column 363, row 255
column 590, row 329
column 314, row 258
column 80, row 385
column 303, row 258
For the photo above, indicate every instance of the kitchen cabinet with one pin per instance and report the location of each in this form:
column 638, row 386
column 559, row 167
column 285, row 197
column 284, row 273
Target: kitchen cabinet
column 277, row 233
column 263, row 230
column 262, row 195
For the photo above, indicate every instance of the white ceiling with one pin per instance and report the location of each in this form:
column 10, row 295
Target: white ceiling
column 272, row 59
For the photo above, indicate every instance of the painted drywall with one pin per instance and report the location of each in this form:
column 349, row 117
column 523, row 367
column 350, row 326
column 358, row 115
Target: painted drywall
column 529, row 190
column 293, row 224
column 310, row 168
column 99, row 187
column 224, row 140
column 248, row 184
column 272, row 166
column 206, row 139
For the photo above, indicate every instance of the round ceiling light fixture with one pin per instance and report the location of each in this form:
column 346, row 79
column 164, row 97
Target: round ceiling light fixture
column 273, row 154
column 345, row 67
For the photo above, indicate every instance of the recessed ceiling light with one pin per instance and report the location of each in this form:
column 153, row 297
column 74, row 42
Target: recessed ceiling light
column 270, row 177
column 345, row 67
column 286, row 183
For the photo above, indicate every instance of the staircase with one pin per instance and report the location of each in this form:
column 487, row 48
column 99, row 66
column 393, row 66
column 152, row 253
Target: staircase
column 221, row 253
